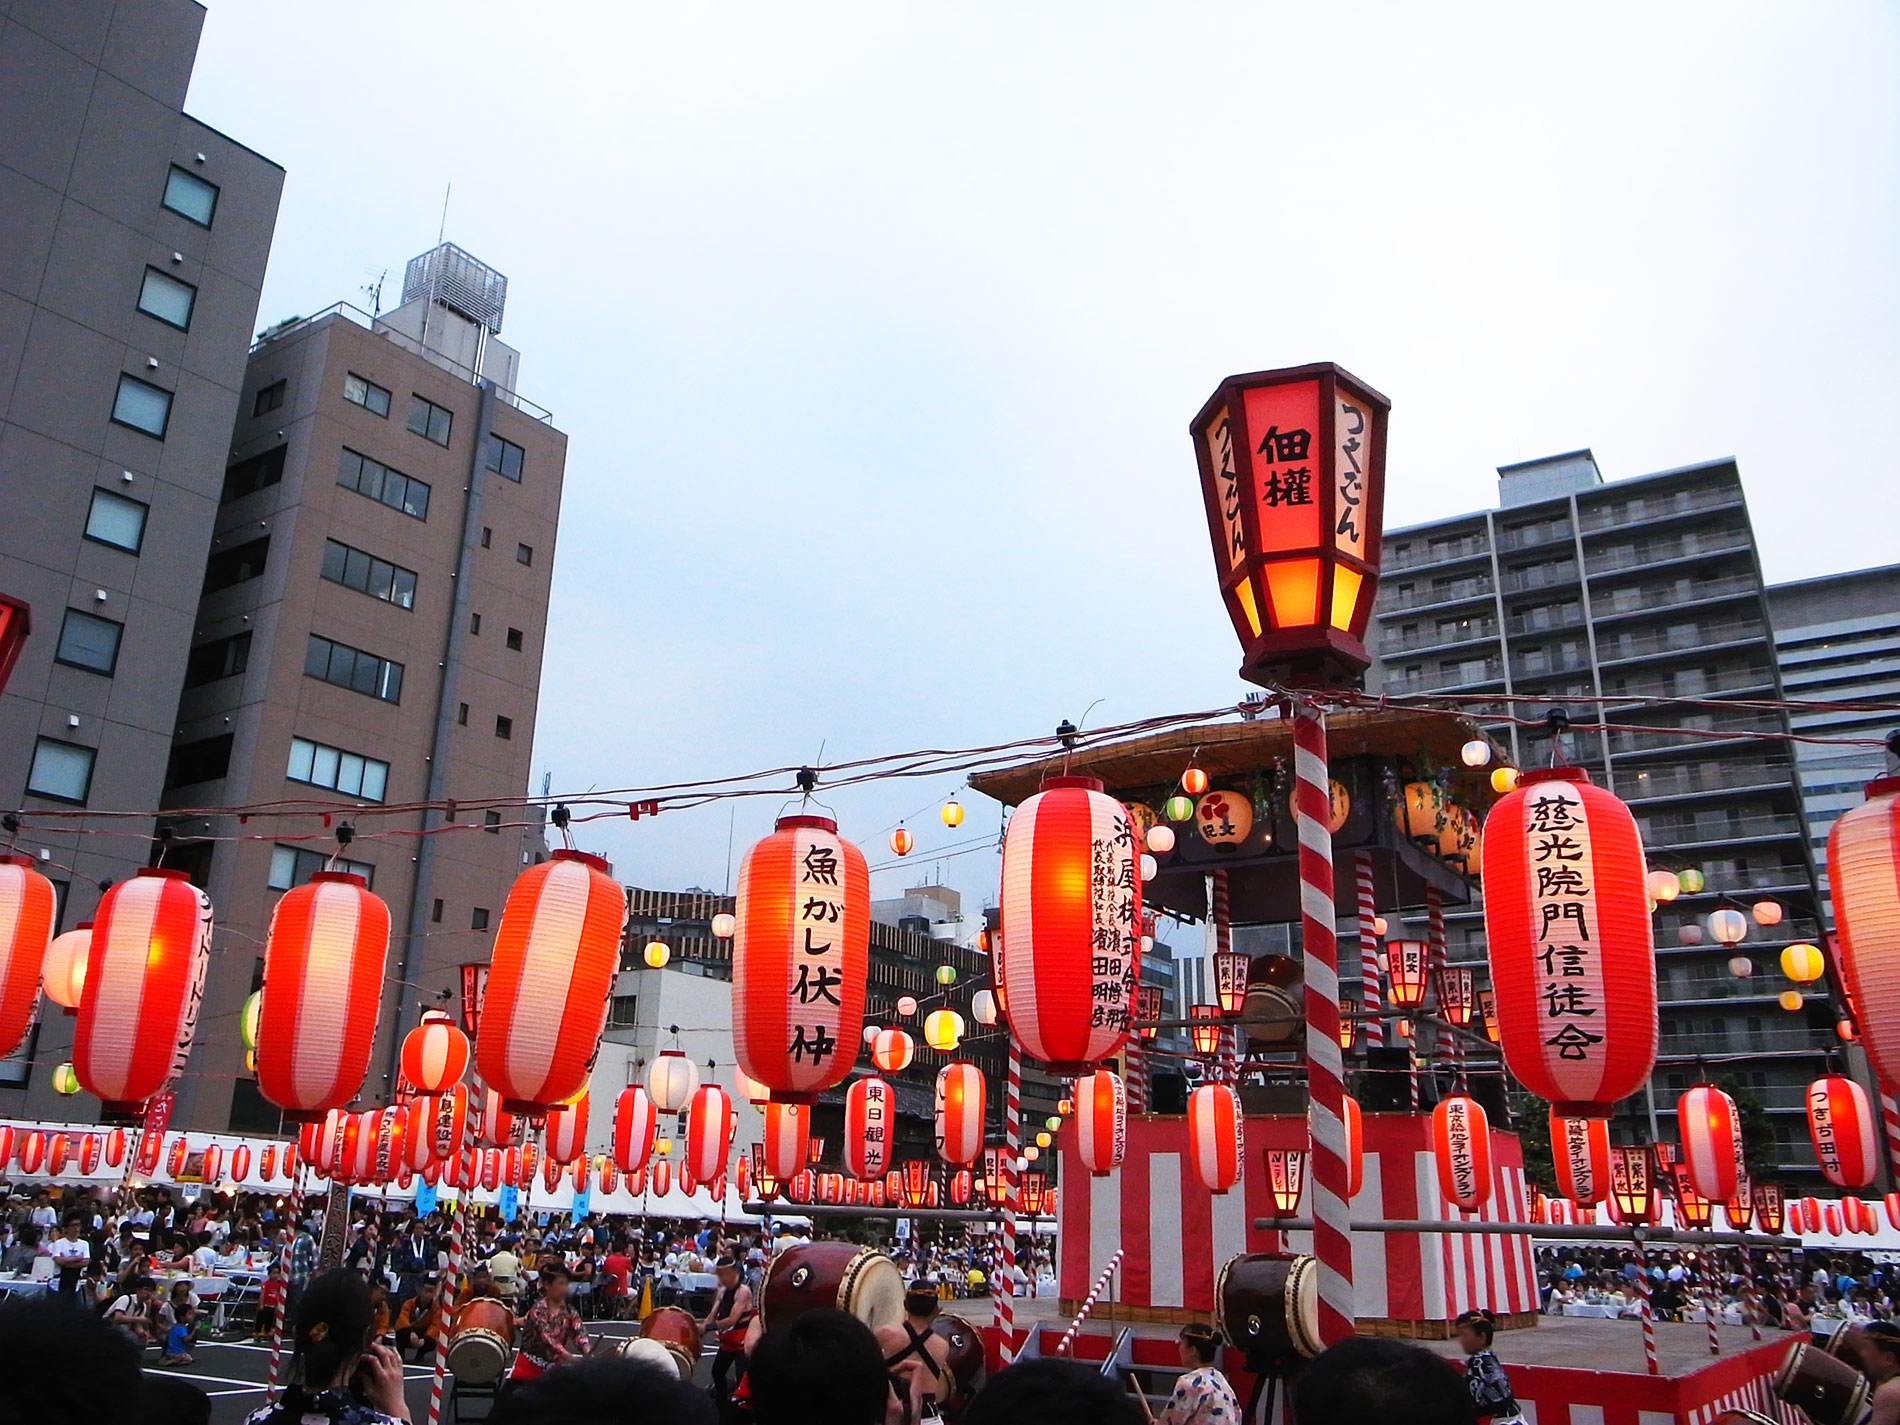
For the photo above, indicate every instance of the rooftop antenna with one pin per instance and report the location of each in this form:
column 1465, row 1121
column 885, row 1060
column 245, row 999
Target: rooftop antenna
column 374, row 291
column 435, row 267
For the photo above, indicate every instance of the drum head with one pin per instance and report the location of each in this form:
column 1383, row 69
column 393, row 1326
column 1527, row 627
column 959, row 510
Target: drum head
column 1302, row 1306
column 652, row 1352
column 873, row 1290
column 477, row 1356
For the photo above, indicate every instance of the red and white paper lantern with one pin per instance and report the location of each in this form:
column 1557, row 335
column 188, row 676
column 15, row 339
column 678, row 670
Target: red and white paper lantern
column 800, row 958
column 115, row 1148
column 89, row 1154
column 1355, row 1145
column 566, row 1132
column 28, row 908
column 1580, row 1149
column 435, row 1053
column 1101, row 1121
column 499, row 1128
column 1711, row 1132
column 1863, row 866
column 1461, row 1142
column 545, row 1002
column 240, row 1162
column 1215, row 1135
column 662, row 1176
column 1072, row 909
column 870, row 1113
column 635, row 1119
column 151, row 938
column 1573, row 966
column 1833, row 1220
column 787, row 1140
column 892, row 1050
column 959, row 1107
column 710, row 1124
column 1844, row 1131
column 61, row 1148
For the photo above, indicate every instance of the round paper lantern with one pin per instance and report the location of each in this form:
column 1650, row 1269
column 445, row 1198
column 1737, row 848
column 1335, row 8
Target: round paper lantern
column 491, row 1169
column 1802, row 963
column 1178, row 807
column 549, row 980
column 499, row 1128
column 1741, row 966
column 983, row 1007
column 1475, row 753
column 324, row 965
column 635, row 1118
column 174, row 1161
column 565, row 1136
column 89, row 1154
column 65, row 1080
column 946, row 975
column 1692, row 880
column 240, row 1162
column 1580, row 1150
column 1504, row 779
column 1194, row 781
column 1215, row 1136
column 1729, row 927
column 60, row 1148
column 1892, row 1203
column 750, row 1089
column 63, row 972
column 1101, row 1121
column 1851, row 1214
column 1663, row 886
column 893, row 1050
column 267, row 1161
column 725, row 925
column 1711, row 1132
column 1790, row 1000
column 672, row 1080
column 959, row 1115
column 1766, row 912
column 1566, row 916
column 952, row 813
column 1689, row 933
column 1832, row 1219
column 1224, row 818
column 551, row 1171
column 1847, row 1030
column 710, row 1124
column 901, row 842
column 27, row 911
column 434, row 1053
column 33, row 1151
column 8, row 1135
column 151, row 938
column 943, row 1030
column 247, row 1020
column 115, row 1148
column 1160, row 839
column 870, row 1113
column 1845, row 1132
column 213, row 1163
column 1073, row 908
column 787, row 1145
column 1461, row 1142
column 1355, row 1145
column 801, row 957
column 662, row 1175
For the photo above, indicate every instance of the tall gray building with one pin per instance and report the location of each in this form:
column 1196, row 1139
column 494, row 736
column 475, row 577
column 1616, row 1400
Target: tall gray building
column 133, row 242
column 1587, row 595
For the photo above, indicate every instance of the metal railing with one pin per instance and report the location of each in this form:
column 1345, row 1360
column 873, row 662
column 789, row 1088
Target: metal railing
column 1645, row 508
column 1478, row 633
column 1637, row 556
column 1424, row 555
column 1446, row 594
column 1661, row 831
column 1714, row 776
column 1692, row 683
column 1701, row 636
column 1540, row 576
column 1640, row 597
column 1531, row 536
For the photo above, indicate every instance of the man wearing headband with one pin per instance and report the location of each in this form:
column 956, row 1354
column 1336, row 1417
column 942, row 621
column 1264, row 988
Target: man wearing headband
column 1880, row 1359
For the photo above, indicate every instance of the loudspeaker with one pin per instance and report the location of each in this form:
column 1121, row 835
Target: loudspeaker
column 1167, row 1093
column 1489, row 1093
column 1386, row 1086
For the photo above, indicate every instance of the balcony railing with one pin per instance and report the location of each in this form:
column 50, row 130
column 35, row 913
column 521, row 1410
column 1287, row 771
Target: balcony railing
column 1716, row 776
column 1433, row 680
column 1661, row 833
column 1644, row 508
column 1540, row 576
column 1731, row 728
column 1549, row 665
column 1447, row 593
column 1691, row 683
column 1476, row 633
column 1553, row 619
column 1422, row 555
column 1690, row 546
column 1612, row 647
column 1743, row 1041
column 1640, row 597
column 1531, row 536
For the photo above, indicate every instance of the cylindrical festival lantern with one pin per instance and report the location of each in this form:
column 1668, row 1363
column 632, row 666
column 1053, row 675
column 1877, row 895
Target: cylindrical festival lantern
column 672, row 1080
column 1770, row 1208
column 787, row 1145
column 151, row 938
column 1215, row 1132
column 1101, row 1121
column 447, row 1126
column 63, row 972
column 959, row 1112
column 545, row 1002
column 565, row 1135
column 1461, row 1142
column 324, row 961
column 1405, row 967
column 240, row 1162
column 1580, row 1150
column 1355, row 1127
column 709, row 1128
column 1573, row 966
column 28, row 908
column 1633, row 1186
column 800, row 958
column 1845, row 1133
column 870, row 1111
column 1711, row 1140
column 435, row 1053
column 1286, row 1179
column 1831, row 1219
column 1072, row 906
column 499, row 1128
column 1863, row 866
column 88, row 1154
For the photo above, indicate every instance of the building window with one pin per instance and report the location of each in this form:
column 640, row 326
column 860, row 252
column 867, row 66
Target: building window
column 623, row 1012
column 141, row 406
column 206, row 760
column 524, row 554
column 352, row 668
column 269, row 398
column 163, row 296
column 435, row 911
column 62, row 771
column 117, row 521
column 504, row 728
column 514, row 640
column 90, row 642
column 461, row 714
column 237, row 564
column 254, row 474
column 359, row 391
column 488, row 536
column 430, row 421
column 358, row 472
column 189, row 196
column 503, row 457
column 352, row 568
column 293, row 865
column 491, row 822
column 348, row 772
column 475, row 624
column 220, row 658
column 478, row 918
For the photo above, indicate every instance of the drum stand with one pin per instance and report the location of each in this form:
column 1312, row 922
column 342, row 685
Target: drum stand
column 484, row 1393
column 1267, row 1380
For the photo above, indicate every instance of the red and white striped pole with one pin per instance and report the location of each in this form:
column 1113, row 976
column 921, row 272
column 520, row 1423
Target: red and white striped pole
column 1711, row 1311
column 283, row 1307
column 1088, row 1303
column 445, row 1294
column 1332, row 1221
column 1649, row 1319
column 1373, row 1028
column 1890, row 1116
column 1012, row 1149
column 1440, row 957
column 1228, row 1065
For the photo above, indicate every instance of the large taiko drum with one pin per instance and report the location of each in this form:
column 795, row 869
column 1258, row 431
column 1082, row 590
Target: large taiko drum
column 678, row 1333
column 964, row 1362
column 1848, row 1343
column 1824, row 1387
column 1267, row 1305
column 481, row 1339
column 860, row 1280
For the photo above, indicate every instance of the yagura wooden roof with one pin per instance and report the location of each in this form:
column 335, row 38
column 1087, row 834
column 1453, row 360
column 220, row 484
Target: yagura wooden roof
column 1234, row 748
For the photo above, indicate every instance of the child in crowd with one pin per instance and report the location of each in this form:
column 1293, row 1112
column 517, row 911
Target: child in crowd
column 1491, row 1396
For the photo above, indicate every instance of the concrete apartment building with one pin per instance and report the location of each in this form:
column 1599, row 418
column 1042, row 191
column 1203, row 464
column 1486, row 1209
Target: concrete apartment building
column 133, row 241
column 1578, row 589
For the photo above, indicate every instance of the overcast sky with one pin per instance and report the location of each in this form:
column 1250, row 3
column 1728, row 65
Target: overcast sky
column 876, row 327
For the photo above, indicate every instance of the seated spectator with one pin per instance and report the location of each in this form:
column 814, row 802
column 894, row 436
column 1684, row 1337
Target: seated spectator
column 135, row 1311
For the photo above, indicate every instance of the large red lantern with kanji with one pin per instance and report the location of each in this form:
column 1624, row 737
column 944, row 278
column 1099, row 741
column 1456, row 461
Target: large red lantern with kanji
column 324, row 963
column 545, row 1000
column 800, row 957
column 1215, row 1136
column 28, row 908
column 151, row 938
column 435, row 1053
column 1072, row 909
column 1101, row 1121
column 1292, row 466
column 565, row 1135
column 1580, row 1150
column 1566, row 914
column 1461, row 1143
column 959, row 1112
column 870, row 1113
column 1711, row 1141
column 635, row 1119
column 710, row 1124
column 1863, row 867
column 787, row 1143
column 1844, row 1131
